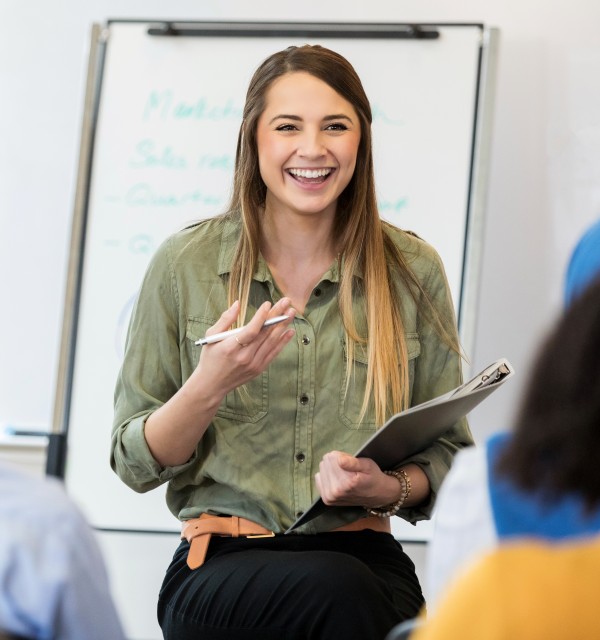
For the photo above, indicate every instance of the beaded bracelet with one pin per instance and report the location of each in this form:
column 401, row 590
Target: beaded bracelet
column 392, row 509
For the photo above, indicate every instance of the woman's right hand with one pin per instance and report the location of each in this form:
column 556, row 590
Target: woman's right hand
column 232, row 362
column 174, row 430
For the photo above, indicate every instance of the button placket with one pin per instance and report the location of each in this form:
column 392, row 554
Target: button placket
column 303, row 475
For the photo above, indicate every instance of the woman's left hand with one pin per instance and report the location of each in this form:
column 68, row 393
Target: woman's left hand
column 344, row 480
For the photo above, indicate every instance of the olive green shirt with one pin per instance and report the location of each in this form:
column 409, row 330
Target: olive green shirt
column 259, row 456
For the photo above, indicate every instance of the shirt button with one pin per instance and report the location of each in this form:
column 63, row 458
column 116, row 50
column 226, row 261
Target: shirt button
column 303, row 399
column 318, row 292
column 300, row 457
column 305, row 340
column 299, row 513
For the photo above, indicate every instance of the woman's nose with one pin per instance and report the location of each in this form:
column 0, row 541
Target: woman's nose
column 312, row 145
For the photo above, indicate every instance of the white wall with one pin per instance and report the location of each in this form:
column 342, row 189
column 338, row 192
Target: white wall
column 544, row 182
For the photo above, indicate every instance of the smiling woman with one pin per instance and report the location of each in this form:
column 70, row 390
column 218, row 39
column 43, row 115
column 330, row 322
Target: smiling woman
column 307, row 137
column 249, row 429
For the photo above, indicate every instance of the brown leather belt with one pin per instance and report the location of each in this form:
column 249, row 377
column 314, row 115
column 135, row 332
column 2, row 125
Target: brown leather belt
column 198, row 532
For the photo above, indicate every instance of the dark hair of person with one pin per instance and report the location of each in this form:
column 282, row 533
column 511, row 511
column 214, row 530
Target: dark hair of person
column 555, row 446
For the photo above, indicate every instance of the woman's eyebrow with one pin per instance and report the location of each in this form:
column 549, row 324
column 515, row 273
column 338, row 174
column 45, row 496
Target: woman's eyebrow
column 337, row 116
column 334, row 116
column 285, row 116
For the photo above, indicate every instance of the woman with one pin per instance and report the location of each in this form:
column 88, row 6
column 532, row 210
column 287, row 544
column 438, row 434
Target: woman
column 542, row 582
column 494, row 493
column 255, row 425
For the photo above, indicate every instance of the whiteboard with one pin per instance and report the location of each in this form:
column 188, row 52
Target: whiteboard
column 164, row 121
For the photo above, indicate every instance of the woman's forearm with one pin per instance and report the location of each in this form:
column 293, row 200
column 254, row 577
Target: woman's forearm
column 173, row 431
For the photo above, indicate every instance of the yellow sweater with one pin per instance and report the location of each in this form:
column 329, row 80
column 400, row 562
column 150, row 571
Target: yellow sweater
column 525, row 591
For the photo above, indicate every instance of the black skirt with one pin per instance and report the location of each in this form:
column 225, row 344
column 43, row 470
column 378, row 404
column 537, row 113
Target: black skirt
column 346, row 585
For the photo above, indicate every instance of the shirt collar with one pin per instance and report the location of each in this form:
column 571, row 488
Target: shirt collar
column 229, row 240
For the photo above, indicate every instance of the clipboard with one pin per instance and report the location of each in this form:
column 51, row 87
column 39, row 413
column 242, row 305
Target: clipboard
column 411, row 431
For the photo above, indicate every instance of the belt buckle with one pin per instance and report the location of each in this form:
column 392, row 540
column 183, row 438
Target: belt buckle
column 271, row 534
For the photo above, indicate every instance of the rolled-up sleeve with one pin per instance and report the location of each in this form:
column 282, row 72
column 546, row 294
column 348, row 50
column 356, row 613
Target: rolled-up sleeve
column 149, row 376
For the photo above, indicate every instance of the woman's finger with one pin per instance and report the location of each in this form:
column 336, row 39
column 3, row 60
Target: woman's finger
column 256, row 334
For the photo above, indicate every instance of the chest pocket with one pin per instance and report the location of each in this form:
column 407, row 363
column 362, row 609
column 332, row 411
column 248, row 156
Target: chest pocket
column 351, row 399
column 244, row 404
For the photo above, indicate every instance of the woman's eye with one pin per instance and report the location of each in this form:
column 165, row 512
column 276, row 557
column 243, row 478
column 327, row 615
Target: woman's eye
column 337, row 126
column 286, row 127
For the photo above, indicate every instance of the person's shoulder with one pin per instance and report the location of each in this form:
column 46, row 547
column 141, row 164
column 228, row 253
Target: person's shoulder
column 14, row 480
column 420, row 256
column 541, row 550
column 402, row 238
column 413, row 246
column 25, row 496
column 544, row 564
column 203, row 239
column 203, row 233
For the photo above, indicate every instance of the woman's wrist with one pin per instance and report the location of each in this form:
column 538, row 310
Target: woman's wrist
column 387, row 510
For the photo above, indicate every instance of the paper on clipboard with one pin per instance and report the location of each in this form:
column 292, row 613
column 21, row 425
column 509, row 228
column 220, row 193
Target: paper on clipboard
column 411, row 431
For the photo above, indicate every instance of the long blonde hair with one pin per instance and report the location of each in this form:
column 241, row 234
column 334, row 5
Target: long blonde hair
column 358, row 231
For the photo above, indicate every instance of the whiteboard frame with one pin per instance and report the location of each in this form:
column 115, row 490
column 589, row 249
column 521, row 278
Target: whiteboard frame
column 476, row 200
column 478, row 190
column 57, row 439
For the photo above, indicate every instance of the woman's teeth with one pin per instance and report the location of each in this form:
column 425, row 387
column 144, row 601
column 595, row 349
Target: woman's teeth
column 310, row 173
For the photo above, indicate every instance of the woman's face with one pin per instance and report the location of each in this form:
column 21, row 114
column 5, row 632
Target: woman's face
column 307, row 138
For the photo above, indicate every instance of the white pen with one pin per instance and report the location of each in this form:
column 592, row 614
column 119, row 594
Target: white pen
column 217, row 337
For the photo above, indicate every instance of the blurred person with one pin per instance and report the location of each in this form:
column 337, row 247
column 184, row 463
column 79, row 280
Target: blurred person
column 541, row 480
column 529, row 590
column 53, row 577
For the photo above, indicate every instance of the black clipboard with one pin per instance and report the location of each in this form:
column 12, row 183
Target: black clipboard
column 411, row 431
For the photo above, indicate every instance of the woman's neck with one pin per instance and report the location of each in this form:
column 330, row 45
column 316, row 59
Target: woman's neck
column 297, row 239
column 298, row 250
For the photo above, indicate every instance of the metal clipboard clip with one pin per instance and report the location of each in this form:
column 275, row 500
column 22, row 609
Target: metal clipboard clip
column 491, row 375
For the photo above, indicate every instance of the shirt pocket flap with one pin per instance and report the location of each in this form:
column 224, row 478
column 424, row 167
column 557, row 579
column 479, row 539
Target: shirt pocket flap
column 413, row 349
column 195, row 330
column 243, row 404
column 413, row 345
column 360, row 353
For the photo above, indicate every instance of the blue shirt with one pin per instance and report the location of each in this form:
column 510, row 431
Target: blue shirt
column 54, row 583
column 584, row 264
column 521, row 514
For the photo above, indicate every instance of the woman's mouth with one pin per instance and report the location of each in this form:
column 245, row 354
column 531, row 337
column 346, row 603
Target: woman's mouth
column 311, row 176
